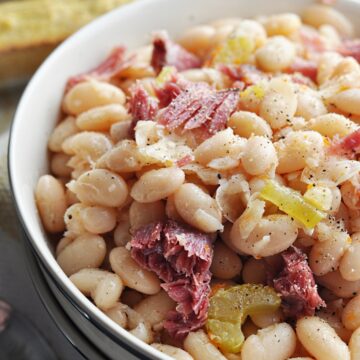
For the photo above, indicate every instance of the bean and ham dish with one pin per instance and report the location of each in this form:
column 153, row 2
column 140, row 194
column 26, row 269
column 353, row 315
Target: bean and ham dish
column 205, row 191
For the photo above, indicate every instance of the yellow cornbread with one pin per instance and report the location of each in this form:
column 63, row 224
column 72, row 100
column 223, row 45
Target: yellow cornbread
column 30, row 29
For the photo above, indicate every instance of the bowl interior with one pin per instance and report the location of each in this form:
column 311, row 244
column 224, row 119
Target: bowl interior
column 38, row 110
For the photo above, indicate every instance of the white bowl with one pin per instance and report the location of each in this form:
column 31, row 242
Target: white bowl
column 38, row 111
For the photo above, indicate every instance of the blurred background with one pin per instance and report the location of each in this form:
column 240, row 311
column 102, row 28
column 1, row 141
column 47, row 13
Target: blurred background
column 29, row 31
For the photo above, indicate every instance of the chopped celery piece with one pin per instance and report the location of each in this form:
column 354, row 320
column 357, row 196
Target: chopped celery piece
column 256, row 90
column 235, row 50
column 165, row 75
column 292, row 203
column 229, row 309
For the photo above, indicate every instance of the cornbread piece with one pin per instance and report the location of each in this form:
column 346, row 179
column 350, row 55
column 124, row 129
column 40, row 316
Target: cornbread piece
column 30, row 30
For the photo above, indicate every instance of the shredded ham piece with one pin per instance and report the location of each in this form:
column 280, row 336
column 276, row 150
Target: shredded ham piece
column 112, row 66
column 305, row 67
column 199, row 106
column 141, row 105
column 168, row 53
column 297, row 286
column 181, row 257
column 348, row 146
column 247, row 74
column 168, row 92
column 351, row 47
column 311, row 40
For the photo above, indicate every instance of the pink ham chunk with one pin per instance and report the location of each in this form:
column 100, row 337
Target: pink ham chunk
column 181, row 257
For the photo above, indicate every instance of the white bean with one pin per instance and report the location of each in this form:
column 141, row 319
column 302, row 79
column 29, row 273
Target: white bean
column 101, row 118
column 131, row 273
column 174, row 352
column 309, row 105
column 198, row 39
column 155, row 185
column 118, row 315
column 90, row 94
column 87, row 145
column 198, row 345
column 320, row 339
column 107, row 291
column 170, row 209
column 209, row 75
column 251, row 30
column 134, row 322
column 338, row 285
column 264, row 320
column 120, row 130
column 62, row 244
column 225, row 237
column 259, row 156
column 141, row 214
column 51, row 203
column 79, row 165
column 123, row 158
column 100, row 187
column 317, row 15
column 276, row 342
column 104, row 287
column 98, row 219
column 332, row 315
column 326, row 65
column 58, row 165
column 272, row 234
column 198, row 208
column 279, row 104
column 277, row 54
column 299, row 149
column 226, row 263
column 350, row 195
column 247, row 221
column 246, row 124
column 347, row 101
column 232, row 196
column 74, row 221
column 63, row 130
column 222, row 144
column 325, row 255
column 86, row 251
column 122, row 231
column 354, row 345
column 331, row 125
column 347, row 65
column 154, row 308
column 336, row 200
column 331, row 36
column 282, row 24
column 351, row 314
column 143, row 332
column 349, row 264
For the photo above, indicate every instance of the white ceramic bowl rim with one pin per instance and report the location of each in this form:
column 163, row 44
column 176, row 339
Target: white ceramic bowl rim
column 22, row 161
